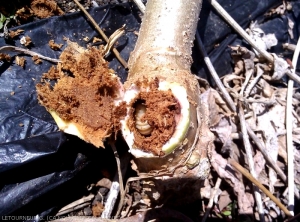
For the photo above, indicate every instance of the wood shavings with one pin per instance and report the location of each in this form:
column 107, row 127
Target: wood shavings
column 45, row 8
column 24, row 13
column 5, row 57
column 95, row 39
column 36, row 59
column 54, row 45
column 26, row 40
column 13, row 34
column 20, row 61
column 86, row 39
column 97, row 209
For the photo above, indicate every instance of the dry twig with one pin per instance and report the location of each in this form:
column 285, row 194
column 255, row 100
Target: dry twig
column 116, row 187
column 27, row 52
column 240, row 30
column 115, row 51
column 289, row 133
column 249, row 155
column 262, row 149
column 214, row 74
column 211, row 200
column 260, row 186
column 140, row 5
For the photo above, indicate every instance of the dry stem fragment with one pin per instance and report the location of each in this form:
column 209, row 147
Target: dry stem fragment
column 289, row 129
column 257, row 183
column 27, row 52
column 250, row 161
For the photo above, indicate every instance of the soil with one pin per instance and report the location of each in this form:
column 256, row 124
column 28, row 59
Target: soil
column 84, row 93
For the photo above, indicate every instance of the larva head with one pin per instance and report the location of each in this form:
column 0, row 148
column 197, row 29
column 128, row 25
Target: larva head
column 158, row 118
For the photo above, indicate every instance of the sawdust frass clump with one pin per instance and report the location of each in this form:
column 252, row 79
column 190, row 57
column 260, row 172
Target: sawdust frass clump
column 84, row 94
column 45, row 8
column 160, row 111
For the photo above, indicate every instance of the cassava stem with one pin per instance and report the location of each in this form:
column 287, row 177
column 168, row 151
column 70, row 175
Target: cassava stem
column 158, row 111
column 166, row 37
column 162, row 59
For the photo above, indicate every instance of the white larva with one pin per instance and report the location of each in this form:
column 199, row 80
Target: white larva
column 142, row 126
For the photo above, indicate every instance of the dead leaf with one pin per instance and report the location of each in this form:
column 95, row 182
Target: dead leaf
column 281, row 67
column 259, row 162
column 225, row 171
column 266, row 125
column 224, row 200
column 224, row 128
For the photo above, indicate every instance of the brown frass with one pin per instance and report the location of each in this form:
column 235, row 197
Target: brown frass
column 161, row 109
column 84, row 92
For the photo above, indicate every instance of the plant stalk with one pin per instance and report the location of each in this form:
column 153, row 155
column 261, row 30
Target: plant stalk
column 165, row 39
column 163, row 53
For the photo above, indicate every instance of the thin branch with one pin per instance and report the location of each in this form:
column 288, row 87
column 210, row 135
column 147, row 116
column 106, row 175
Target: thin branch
column 293, row 218
column 115, row 51
column 262, row 149
column 111, row 200
column 249, row 155
column 259, row 73
column 140, row 5
column 289, row 132
column 27, row 52
column 248, row 75
column 289, row 46
column 214, row 74
column 240, row 30
column 211, row 200
column 122, row 191
column 116, row 187
column 260, row 186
